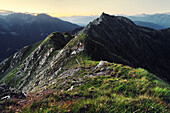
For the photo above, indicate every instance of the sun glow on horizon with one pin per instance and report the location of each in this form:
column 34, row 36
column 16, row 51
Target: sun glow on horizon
column 60, row 8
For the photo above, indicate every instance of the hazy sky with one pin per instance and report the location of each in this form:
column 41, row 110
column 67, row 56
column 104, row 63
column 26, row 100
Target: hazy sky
column 86, row 7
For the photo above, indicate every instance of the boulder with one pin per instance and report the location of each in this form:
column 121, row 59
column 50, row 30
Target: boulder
column 101, row 63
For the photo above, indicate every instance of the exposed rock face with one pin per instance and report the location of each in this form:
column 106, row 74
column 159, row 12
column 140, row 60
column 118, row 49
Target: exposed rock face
column 108, row 38
column 20, row 29
column 7, row 92
column 137, row 46
column 33, row 66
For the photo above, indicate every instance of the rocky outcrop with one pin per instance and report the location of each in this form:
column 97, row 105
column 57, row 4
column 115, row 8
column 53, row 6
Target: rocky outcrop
column 20, row 29
column 7, row 92
column 129, row 44
column 34, row 65
column 108, row 38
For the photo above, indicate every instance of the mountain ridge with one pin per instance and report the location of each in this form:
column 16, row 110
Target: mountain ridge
column 18, row 30
column 133, row 33
column 101, row 42
column 155, row 21
column 91, row 71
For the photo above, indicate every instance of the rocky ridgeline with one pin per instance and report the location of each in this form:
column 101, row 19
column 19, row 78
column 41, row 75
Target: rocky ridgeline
column 33, row 64
column 64, row 72
column 20, row 29
column 109, row 38
column 129, row 44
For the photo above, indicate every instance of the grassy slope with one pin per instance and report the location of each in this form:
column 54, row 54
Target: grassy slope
column 10, row 78
column 122, row 89
column 26, row 52
column 117, row 89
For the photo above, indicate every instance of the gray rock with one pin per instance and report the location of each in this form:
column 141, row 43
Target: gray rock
column 6, row 97
column 90, row 76
column 70, row 89
column 107, row 68
column 102, row 69
column 101, row 63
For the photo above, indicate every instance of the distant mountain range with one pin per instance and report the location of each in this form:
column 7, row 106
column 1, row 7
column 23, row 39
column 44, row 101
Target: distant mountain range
column 110, row 38
column 80, row 20
column 5, row 12
column 149, row 24
column 160, row 19
column 111, row 65
column 155, row 21
column 21, row 29
column 18, row 30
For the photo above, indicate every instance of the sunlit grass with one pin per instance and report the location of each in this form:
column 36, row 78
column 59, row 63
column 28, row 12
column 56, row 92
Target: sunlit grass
column 125, row 89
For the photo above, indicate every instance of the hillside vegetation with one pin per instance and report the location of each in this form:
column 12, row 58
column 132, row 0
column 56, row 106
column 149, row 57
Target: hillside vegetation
column 109, row 88
column 102, row 69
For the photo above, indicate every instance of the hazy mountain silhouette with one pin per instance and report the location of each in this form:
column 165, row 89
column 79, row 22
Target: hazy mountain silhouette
column 18, row 30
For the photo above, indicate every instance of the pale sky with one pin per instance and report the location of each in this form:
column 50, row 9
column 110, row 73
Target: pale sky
column 86, row 7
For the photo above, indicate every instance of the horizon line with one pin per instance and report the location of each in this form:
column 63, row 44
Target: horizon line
column 55, row 15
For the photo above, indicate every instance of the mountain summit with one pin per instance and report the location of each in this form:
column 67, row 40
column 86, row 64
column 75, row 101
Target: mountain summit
column 138, row 46
column 75, row 73
column 111, row 38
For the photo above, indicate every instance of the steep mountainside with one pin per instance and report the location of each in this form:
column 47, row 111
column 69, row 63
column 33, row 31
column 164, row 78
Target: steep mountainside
column 138, row 46
column 35, row 61
column 66, row 73
column 18, row 30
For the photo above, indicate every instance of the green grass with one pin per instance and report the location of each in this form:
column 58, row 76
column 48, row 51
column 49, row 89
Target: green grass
column 10, row 79
column 80, row 38
column 30, row 49
column 26, row 52
column 123, row 90
column 46, row 40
